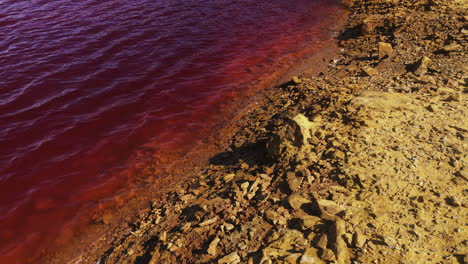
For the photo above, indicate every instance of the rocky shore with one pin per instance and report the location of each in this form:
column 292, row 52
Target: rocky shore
column 365, row 162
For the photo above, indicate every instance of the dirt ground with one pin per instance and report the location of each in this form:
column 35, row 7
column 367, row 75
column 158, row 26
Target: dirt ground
column 365, row 162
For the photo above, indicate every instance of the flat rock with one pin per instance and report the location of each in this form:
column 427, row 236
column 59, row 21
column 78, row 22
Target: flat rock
column 232, row 258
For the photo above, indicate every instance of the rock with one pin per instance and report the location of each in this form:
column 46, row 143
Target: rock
column 296, row 201
column 453, row 98
column 322, row 241
column 463, row 174
column 341, row 251
column 328, row 207
column 295, row 133
column 229, row 177
column 421, row 66
column 433, row 108
column 288, row 239
column 310, row 221
column 232, row 258
column 107, row 219
column 371, row 71
column 212, row 247
column 453, row 201
column 451, row 48
column 310, row 257
column 296, row 80
column 274, row 217
column 340, row 226
column 209, row 221
column 370, row 23
column 385, row 50
column 292, row 259
column 359, row 239
column 302, row 127
column 328, row 255
column 294, row 182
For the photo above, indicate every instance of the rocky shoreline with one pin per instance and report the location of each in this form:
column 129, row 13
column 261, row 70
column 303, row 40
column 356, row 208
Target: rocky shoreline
column 365, row 162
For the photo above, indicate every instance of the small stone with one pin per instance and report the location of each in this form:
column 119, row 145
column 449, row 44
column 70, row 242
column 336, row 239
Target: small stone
column 212, row 247
column 296, row 80
column 310, row 257
column 294, row 182
column 209, row 221
column 232, row 258
column 296, row 201
column 229, row 177
column 453, row 98
column 421, row 66
column 328, row 255
column 371, row 71
column 433, row 108
column 453, row 201
column 463, row 174
column 107, row 219
column 452, row 47
column 385, row 50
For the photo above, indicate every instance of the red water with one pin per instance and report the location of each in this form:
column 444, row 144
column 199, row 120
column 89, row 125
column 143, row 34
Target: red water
column 84, row 83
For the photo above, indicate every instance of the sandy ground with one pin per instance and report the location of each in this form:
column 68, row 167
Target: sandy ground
column 365, row 162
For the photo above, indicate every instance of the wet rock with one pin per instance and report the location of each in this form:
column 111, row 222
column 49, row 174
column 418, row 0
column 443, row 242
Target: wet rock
column 296, row 201
column 421, row 66
column 212, row 247
column 232, row 258
column 385, row 50
column 310, row 257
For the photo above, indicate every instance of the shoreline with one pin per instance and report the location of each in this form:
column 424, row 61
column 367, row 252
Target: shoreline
column 110, row 218
column 294, row 182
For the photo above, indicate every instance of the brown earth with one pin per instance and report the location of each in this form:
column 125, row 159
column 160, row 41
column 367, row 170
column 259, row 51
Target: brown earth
column 365, row 162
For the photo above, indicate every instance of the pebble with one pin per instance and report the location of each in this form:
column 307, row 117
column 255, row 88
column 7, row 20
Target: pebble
column 385, row 50
column 212, row 247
